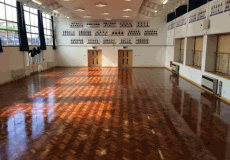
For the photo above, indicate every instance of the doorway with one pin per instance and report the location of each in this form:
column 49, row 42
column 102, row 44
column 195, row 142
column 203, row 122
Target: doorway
column 125, row 58
column 94, row 58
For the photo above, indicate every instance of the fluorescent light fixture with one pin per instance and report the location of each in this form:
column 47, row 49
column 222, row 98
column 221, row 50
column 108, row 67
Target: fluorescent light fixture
column 127, row 9
column 55, row 11
column 128, row 0
column 37, row 2
column 165, row 1
column 100, row 4
column 125, row 16
column 80, row 9
column 87, row 16
column 68, row 0
column 108, row 19
column 105, row 13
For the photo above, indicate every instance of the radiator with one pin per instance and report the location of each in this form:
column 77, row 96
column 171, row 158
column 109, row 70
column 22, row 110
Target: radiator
column 50, row 64
column 18, row 73
column 175, row 68
column 210, row 83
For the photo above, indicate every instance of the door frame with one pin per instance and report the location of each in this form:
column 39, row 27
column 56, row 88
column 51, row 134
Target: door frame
column 98, row 57
column 131, row 54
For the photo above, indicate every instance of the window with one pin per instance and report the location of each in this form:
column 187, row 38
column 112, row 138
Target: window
column 223, row 55
column 197, row 52
column 31, row 20
column 181, row 51
column 47, row 28
column 8, row 22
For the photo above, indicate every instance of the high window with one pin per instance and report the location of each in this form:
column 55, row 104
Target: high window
column 31, row 20
column 47, row 28
column 197, row 52
column 8, row 22
column 181, row 51
column 223, row 55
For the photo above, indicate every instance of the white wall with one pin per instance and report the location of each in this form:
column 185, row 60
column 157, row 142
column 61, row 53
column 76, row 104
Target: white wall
column 143, row 55
column 13, row 59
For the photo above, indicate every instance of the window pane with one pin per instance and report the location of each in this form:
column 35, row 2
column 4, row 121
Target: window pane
column 9, row 14
column 3, row 37
column 11, row 2
column 29, row 38
column 35, row 39
column 48, row 24
column 48, row 16
column 32, row 19
column 34, row 29
column 12, row 26
column 13, row 38
column 28, row 29
column 44, row 22
column 48, row 40
column 26, row 8
column 2, row 24
column 35, row 11
column 49, row 32
column 1, row 0
column 2, row 11
column 14, row 12
column 27, row 17
column 16, row 38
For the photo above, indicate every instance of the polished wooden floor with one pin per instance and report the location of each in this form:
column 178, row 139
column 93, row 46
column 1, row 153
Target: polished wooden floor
column 109, row 113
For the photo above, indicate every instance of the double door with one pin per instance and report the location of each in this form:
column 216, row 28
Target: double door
column 125, row 58
column 94, row 58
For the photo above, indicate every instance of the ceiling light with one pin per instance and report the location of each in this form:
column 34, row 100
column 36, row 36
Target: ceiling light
column 155, row 11
column 165, row 1
column 105, row 13
column 56, row 11
column 79, row 9
column 126, row 16
column 68, row 0
column 127, row 0
column 100, row 4
column 87, row 16
column 108, row 19
column 127, row 9
column 37, row 2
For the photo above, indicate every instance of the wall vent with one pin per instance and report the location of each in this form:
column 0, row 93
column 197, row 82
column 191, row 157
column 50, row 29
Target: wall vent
column 175, row 68
column 210, row 83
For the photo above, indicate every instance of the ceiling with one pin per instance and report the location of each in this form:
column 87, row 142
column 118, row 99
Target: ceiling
column 148, row 8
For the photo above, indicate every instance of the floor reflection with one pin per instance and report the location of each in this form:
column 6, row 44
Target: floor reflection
column 109, row 113
column 125, row 76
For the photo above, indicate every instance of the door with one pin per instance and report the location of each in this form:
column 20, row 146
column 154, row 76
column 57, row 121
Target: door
column 94, row 58
column 125, row 58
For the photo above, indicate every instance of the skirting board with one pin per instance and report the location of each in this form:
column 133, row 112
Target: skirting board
column 196, row 84
column 110, row 67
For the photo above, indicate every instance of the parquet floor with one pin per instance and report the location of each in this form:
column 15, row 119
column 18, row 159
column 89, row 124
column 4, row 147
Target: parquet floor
column 109, row 113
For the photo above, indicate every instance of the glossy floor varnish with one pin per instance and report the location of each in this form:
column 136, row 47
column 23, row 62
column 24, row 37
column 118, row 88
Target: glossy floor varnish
column 110, row 113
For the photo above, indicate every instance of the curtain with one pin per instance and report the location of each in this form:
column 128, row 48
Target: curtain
column 53, row 35
column 1, row 50
column 41, row 31
column 23, row 41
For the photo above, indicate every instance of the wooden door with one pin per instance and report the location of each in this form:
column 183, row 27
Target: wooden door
column 125, row 58
column 94, row 58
